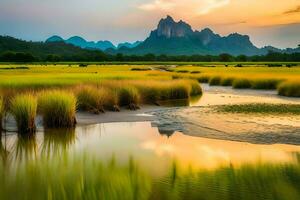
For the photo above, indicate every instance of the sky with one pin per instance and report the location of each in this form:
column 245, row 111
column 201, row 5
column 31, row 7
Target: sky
column 268, row 22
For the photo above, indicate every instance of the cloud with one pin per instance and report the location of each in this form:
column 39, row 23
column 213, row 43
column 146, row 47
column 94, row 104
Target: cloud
column 292, row 11
column 195, row 7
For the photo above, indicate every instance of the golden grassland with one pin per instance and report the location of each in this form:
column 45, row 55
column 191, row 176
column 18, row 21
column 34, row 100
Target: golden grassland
column 285, row 80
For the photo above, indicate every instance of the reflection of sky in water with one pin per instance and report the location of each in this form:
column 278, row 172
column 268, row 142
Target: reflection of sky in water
column 152, row 150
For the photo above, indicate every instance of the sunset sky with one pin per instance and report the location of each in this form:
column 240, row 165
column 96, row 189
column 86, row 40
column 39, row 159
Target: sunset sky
column 268, row 22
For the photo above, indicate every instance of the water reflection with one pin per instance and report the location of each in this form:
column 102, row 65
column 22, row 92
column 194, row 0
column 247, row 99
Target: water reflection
column 57, row 141
column 146, row 144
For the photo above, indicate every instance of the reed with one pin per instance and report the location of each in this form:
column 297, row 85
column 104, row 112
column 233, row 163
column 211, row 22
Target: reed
column 265, row 84
column 241, row 83
column 289, row 88
column 129, row 96
column 58, row 108
column 226, row 81
column 23, row 108
column 215, row 80
column 92, row 99
column 1, row 111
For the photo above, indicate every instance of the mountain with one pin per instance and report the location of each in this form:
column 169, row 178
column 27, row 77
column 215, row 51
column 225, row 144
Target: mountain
column 55, row 38
column 53, row 50
column 178, row 38
column 80, row 42
column 128, row 45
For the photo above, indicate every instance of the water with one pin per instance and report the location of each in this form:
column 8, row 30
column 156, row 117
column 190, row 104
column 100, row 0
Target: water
column 186, row 152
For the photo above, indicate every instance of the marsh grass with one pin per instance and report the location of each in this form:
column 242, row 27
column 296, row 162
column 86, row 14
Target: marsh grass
column 74, row 178
column 215, row 80
column 24, row 108
column 289, row 88
column 262, row 108
column 129, row 96
column 1, row 112
column 226, row 81
column 92, row 99
column 241, row 83
column 58, row 108
column 266, row 84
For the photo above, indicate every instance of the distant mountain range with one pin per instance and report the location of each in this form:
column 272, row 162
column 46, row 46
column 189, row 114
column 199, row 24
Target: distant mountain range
column 100, row 45
column 178, row 38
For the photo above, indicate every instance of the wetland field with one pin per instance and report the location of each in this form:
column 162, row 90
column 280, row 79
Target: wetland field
column 150, row 131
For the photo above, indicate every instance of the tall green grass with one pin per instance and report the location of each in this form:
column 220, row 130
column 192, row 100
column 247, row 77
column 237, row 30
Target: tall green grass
column 215, row 80
column 78, row 178
column 289, row 88
column 241, row 83
column 24, row 108
column 58, row 108
column 92, row 98
column 1, row 112
column 129, row 96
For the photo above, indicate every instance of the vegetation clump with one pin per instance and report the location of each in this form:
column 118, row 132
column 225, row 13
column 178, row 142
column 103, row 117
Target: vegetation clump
column 1, row 111
column 129, row 96
column 140, row 69
column 289, row 88
column 266, row 84
column 226, row 81
column 24, row 108
column 261, row 108
column 92, row 99
column 241, row 83
column 58, row 108
column 215, row 80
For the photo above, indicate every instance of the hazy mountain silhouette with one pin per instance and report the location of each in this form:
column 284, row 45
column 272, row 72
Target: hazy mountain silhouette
column 178, row 38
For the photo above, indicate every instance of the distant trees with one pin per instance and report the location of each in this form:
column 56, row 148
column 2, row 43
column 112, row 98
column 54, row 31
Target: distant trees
column 13, row 50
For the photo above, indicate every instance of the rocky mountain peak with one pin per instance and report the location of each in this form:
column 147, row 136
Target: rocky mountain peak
column 168, row 28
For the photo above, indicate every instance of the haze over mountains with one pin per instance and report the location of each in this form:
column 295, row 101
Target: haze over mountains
column 178, row 38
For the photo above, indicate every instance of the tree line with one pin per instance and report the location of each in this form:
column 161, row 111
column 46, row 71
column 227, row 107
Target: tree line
column 15, row 50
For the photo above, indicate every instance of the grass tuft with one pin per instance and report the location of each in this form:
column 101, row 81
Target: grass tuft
column 261, row 108
column 226, row 81
column 58, row 108
column 24, row 108
column 215, row 80
column 1, row 111
column 266, row 84
column 289, row 88
column 129, row 96
column 92, row 99
column 241, row 83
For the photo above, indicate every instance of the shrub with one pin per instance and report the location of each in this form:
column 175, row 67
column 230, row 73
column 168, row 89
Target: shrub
column 289, row 88
column 58, row 108
column 215, row 80
column 241, row 83
column 23, row 108
column 227, row 81
column 239, row 65
column 92, row 99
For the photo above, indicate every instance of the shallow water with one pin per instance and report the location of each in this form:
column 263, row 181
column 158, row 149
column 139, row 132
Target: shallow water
column 220, row 148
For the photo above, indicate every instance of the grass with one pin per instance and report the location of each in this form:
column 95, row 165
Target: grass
column 261, row 108
column 24, row 108
column 289, row 88
column 241, row 83
column 1, row 111
column 83, row 177
column 92, row 99
column 78, row 178
column 215, row 80
column 58, row 108
column 129, row 96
